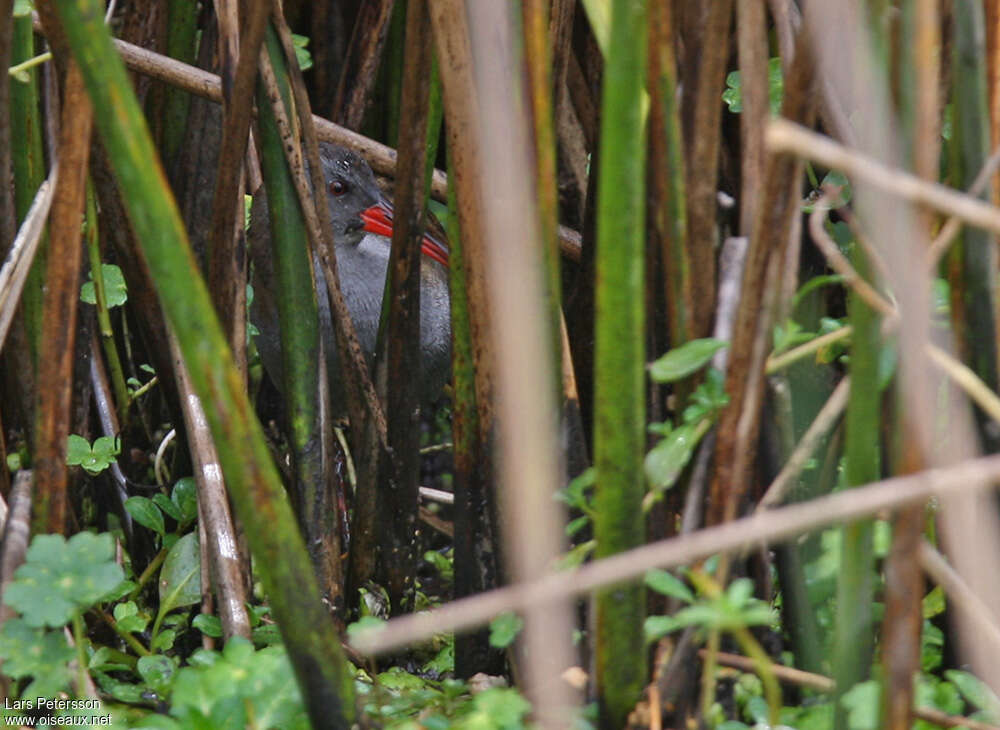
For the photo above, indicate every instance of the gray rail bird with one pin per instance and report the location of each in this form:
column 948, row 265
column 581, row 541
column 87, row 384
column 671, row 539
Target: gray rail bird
column 362, row 228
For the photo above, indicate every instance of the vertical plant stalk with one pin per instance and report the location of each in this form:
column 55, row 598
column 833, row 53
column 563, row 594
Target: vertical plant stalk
column 29, row 171
column 972, row 262
column 541, row 92
column 522, row 336
column 313, row 647
column 619, row 375
column 476, row 569
column 367, row 415
column 904, row 581
column 397, row 496
column 227, row 261
column 55, row 367
column 702, row 165
column 8, row 219
column 389, row 84
column 219, row 537
column 361, row 62
column 740, row 420
column 182, row 20
column 667, row 193
column 103, row 315
column 477, row 525
column 751, row 26
column 363, row 404
column 298, row 315
column 560, row 41
column 853, row 630
column 461, row 110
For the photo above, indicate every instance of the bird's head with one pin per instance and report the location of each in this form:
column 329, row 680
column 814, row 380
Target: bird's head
column 357, row 205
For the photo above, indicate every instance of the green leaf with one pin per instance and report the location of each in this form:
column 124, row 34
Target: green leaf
column 442, row 564
column 302, row 55
column 815, row 283
column 180, row 576
column 77, row 449
column 504, row 629
column 498, row 708
column 185, row 496
column 94, row 459
column 665, row 461
column 146, row 513
column 444, row 661
column 863, row 705
column 669, row 585
column 684, row 360
column 60, row 578
column 576, row 525
column 733, row 95
column 576, row 494
column 577, row 555
column 226, row 690
column 23, row 8
column 115, row 290
column 708, row 399
column 208, row 625
column 128, row 618
column 656, row 627
column 975, row 691
column 258, row 613
column 838, row 179
column 28, row 651
column 167, row 506
column 266, row 635
column 934, row 602
column 157, row 671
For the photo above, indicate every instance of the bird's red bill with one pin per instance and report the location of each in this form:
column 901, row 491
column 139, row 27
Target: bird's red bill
column 378, row 219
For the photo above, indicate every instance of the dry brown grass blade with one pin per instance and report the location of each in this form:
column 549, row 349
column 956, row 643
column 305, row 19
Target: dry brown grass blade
column 361, row 62
column 702, row 165
column 213, row 509
column 778, row 205
column 522, row 339
column 8, row 219
column 16, row 533
column 14, row 272
column 55, row 361
column 751, row 35
column 451, row 38
column 227, row 266
column 397, row 505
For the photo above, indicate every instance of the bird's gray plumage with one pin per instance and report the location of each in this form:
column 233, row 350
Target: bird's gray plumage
column 362, row 261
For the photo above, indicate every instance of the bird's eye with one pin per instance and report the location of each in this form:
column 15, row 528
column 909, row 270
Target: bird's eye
column 337, row 187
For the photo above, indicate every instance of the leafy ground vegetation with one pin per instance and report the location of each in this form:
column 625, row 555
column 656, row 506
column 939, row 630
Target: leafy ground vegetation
column 719, row 444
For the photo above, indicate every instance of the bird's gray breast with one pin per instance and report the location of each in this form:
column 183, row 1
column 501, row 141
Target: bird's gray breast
column 361, row 270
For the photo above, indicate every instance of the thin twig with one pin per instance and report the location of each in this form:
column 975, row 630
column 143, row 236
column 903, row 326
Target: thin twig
column 773, row 526
column 839, row 263
column 953, row 225
column 821, row 425
column 959, row 593
column 785, row 136
column 821, row 683
column 14, row 272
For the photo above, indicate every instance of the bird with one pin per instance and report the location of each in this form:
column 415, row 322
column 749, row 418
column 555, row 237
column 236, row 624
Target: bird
column 362, row 229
